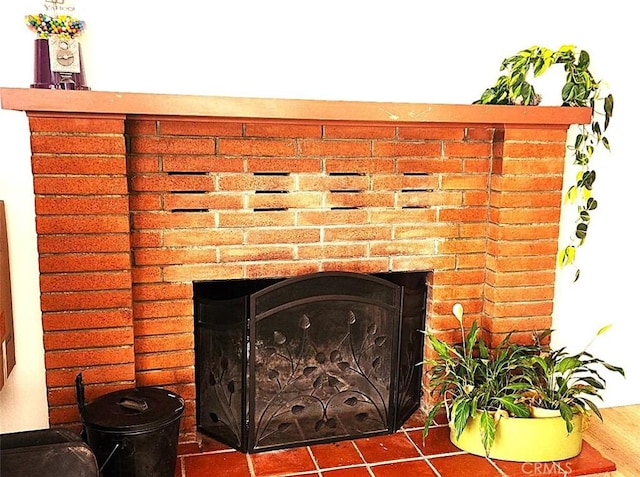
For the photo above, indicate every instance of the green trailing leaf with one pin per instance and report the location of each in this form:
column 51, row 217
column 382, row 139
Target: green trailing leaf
column 567, row 256
column 583, row 62
column 588, row 179
column 569, row 92
column 581, row 231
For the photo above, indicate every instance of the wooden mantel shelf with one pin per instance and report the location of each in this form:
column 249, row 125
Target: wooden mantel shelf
column 103, row 102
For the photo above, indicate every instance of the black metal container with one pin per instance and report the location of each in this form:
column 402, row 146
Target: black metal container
column 133, row 432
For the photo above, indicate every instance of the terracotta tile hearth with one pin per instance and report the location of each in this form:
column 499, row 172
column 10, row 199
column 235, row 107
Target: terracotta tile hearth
column 137, row 196
column 403, row 453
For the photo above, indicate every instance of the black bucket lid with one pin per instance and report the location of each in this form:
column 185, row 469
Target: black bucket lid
column 133, row 410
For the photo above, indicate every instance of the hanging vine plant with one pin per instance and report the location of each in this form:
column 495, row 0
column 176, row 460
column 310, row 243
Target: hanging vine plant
column 580, row 89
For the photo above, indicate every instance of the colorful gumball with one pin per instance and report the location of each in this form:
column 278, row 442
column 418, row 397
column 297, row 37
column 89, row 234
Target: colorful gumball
column 63, row 26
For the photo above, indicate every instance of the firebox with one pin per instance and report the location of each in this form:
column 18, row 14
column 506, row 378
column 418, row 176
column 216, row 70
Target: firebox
column 310, row 359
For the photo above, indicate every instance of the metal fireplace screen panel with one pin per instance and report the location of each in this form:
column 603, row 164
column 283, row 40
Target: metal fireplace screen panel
column 326, row 283
column 220, row 347
column 414, row 302
column 324, row 360
column 318, row 358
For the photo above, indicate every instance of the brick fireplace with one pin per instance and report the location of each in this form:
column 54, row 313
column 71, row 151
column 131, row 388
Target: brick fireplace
column 140, row 195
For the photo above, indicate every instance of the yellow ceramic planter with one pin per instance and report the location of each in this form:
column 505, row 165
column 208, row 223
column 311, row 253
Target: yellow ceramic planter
column 524, row 439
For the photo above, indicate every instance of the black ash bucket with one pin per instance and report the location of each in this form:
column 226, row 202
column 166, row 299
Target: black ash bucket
column 133, row 432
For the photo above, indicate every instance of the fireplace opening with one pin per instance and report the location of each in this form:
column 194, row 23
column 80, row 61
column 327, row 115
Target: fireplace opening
column 309, row 359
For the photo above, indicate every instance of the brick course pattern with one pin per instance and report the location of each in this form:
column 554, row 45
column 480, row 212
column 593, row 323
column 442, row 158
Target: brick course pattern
column 131, row 210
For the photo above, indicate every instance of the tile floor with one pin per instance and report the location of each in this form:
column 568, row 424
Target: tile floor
column 400, row 454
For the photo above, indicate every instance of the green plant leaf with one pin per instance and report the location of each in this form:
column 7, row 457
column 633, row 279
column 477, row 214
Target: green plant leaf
column 615, row 369
column 541, row 65
column 518, row 386
column 604, row 329
column 608, row 110
column 593, row 382
column 487, row 430
column 567, row 256
column 472, row 336
column 569, row 92
column 581, row 230
column 567, row 414
column 566, row 48
column 460, row 412
column 593, row 408
column 583, row 60
column 567, row 364
column 540, row 362
column 483, row 350
column 430, row 419
column 440, row 347
column 514, row 408
column 588, row 179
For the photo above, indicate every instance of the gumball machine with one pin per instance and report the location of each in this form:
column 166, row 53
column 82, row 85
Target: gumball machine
column 57, row 54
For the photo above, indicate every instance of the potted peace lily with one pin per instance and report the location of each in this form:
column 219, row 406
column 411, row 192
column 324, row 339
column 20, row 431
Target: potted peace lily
column 493, row 398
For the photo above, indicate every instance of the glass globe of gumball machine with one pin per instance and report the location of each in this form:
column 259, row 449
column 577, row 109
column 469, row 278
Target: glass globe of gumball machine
column 57, row 54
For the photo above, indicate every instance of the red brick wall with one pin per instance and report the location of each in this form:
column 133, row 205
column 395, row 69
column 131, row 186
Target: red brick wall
column 82, row 220
column 126, row 222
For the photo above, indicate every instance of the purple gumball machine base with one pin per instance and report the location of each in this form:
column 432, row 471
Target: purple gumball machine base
column 47, row 76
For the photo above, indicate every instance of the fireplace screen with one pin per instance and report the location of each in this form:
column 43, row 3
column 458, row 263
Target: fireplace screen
column 311, row 359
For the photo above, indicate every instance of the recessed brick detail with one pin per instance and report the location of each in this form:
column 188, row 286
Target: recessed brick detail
column 132, row 209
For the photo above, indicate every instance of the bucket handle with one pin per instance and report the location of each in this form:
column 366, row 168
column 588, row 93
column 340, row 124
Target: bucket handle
column 80, row 393
column 134, row 404
column 108, row 458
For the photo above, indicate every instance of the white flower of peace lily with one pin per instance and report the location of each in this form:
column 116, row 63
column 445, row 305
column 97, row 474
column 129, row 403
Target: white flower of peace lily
column 458, row 311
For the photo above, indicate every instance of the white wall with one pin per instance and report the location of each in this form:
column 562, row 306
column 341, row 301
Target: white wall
column 438, row 52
